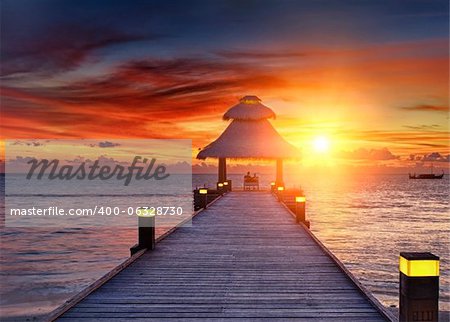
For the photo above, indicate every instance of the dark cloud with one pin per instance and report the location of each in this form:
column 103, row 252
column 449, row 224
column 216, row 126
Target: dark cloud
column 426, row 108
column 107, row 144
column 179, row 167
column 28, row 143
column 18, row 164
column 180, row 67
column 366, row 154
column 152, row 82
column 433, row 157
column 137, row 92
column 21, row 159
column 429, row 138
column 262, row 55
column 422, row 127
column 60, row 48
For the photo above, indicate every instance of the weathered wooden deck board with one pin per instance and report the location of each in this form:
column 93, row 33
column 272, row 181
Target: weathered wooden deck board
column 243, row 258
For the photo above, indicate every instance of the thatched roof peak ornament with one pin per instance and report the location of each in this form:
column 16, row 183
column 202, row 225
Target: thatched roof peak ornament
column 249, row 108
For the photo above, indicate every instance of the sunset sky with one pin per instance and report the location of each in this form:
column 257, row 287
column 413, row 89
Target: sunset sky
column 368, row 78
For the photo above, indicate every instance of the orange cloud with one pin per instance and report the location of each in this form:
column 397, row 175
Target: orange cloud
column 368, row 154
column 319, row 89
column 426, row 108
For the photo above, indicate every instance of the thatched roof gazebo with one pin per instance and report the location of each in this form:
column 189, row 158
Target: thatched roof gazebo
column 249, row 136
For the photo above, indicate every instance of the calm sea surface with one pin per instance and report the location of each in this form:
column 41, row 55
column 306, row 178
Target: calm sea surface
column 366, row 221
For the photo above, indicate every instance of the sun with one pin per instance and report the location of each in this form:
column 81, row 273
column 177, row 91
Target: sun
column 321, row 144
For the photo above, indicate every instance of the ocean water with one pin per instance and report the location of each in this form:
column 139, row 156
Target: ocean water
column 365, row 221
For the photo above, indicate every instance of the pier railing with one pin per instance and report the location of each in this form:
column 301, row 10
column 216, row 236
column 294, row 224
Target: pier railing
column 204, row 196
column 295, row 200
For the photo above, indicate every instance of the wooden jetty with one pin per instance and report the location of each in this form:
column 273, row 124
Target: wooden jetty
column 243, row 258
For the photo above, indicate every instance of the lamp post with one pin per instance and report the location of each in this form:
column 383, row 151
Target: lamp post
column 220, row 187
column 280, row 191
column 146, row 230
column 204, row 201
column 419, row 287
column 272, row 186
column 300, row 205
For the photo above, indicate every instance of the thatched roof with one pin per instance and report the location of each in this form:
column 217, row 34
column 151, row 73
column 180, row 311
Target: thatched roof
column 250, row 135
column 249, row 108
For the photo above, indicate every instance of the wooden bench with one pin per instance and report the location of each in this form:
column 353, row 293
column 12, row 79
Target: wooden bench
column 251, row 183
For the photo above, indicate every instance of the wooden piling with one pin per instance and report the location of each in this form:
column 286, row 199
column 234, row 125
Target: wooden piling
column 419, row 287
column 146, row 231
column 300, row 207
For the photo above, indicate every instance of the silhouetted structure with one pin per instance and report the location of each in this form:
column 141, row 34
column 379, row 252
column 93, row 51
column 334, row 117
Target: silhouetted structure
column 249, row 136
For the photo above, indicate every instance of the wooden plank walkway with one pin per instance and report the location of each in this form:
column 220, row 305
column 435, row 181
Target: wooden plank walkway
column 243, row 258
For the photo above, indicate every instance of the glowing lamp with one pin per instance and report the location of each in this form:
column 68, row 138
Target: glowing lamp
column 220, row 185
column 225, row 183
column 203, row 191
column 300, row 199
column 427, row 266
column 419, row 286
column 280, row 188
column 145, row 212
column 272, row 184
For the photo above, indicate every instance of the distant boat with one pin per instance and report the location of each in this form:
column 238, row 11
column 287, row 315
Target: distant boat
column 427, row 176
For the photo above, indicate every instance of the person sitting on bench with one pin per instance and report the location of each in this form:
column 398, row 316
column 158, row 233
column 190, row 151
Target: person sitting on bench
column 250, row 182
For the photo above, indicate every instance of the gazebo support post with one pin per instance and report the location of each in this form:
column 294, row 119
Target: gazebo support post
column 279, row 178
column 222, row 175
